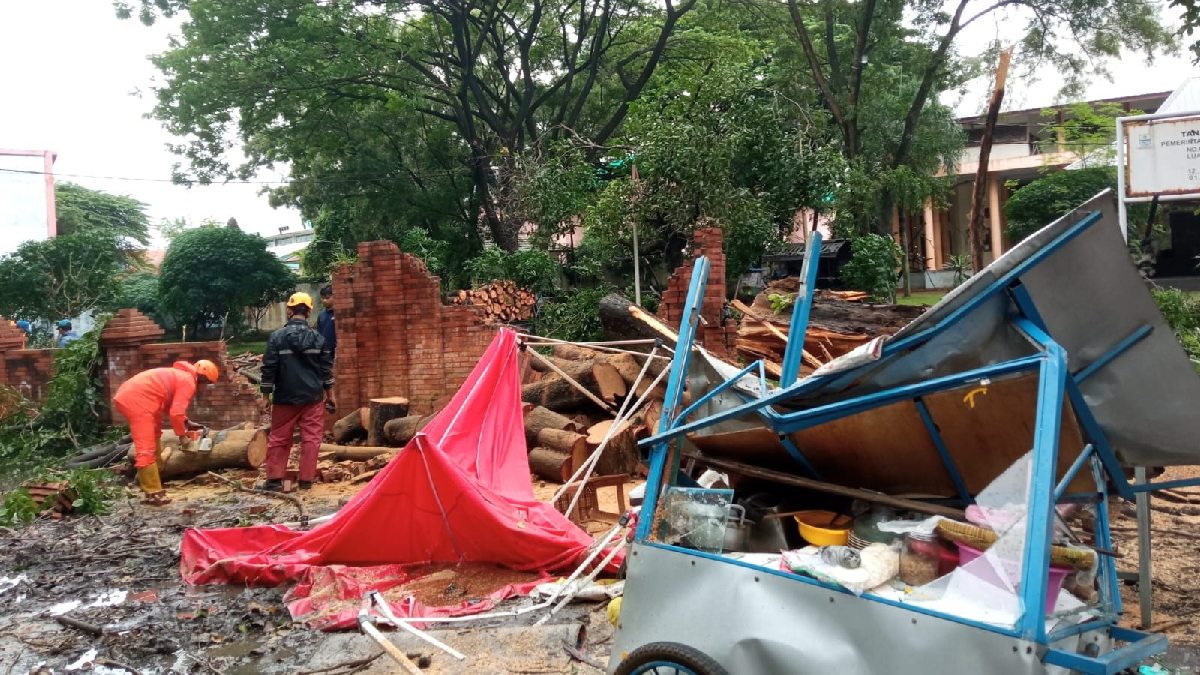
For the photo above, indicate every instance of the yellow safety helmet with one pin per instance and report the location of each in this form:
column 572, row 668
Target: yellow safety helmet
column 300, row 299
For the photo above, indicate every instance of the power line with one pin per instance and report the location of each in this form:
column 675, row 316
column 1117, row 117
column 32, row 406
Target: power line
column 286, row 181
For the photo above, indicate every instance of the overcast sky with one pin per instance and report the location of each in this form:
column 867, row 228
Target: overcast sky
column 70, row 66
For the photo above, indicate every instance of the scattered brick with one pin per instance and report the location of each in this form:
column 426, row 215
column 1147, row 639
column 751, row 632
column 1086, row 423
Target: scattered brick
column 258, row 509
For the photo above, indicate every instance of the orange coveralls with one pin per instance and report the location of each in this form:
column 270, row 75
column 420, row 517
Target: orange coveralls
column 149, row 395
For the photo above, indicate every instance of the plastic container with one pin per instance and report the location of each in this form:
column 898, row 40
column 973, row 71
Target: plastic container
column 824, row 528
column 924, row 558
column 866, row 530
column 987, row 573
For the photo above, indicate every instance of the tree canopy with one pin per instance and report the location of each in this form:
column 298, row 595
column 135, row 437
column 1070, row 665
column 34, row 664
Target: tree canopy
column 99, row 237
column 209, row 275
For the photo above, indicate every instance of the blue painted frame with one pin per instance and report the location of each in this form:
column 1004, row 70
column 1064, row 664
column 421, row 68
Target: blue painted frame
column 1055, row 386
column 792, row 355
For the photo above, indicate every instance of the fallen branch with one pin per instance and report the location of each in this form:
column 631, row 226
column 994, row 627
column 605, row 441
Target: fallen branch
column 351, row 665
column 81, row 625
column 277, row 495
column 1167, row 625
column 581, row 657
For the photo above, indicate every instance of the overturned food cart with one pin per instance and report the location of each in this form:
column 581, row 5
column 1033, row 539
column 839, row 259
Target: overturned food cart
column 1024, row 394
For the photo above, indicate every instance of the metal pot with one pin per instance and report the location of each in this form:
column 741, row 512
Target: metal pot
column 737, row 530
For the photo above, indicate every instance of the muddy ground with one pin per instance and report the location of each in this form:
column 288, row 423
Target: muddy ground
column 120, row 573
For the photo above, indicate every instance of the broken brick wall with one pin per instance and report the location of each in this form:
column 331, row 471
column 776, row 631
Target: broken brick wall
column 715, row 333
column 129, row 344
column 395, row 337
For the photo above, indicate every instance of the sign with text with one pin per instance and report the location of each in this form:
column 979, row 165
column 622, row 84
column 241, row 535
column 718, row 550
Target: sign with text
column 1163, row 157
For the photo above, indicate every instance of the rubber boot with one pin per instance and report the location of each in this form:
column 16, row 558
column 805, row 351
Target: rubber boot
column 151, row 484
column 158, row 452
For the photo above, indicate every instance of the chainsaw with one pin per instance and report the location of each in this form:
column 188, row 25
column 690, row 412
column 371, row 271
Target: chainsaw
column 200, row 440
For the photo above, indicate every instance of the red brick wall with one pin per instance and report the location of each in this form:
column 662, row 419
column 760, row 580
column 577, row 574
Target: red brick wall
column 717, row 335
column 395, row 337
column 229, row 402
column 28, row 371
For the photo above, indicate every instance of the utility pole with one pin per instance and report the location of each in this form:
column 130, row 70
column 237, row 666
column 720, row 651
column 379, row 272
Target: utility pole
column 637, row 264
column 979, row 195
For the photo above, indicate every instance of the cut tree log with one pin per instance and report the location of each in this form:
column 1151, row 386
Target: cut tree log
column 621, row 454
column 609, row 383
column 567, row 442
column 555, row 392
column 550, row 465
column 352, row 427
column 399, row 432
column 539, row 418
column 575, row 353
column 245, row 449
column 384, row 410
column 352, row 453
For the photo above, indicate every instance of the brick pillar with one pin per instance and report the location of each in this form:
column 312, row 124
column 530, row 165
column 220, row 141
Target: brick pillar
column 122, row 336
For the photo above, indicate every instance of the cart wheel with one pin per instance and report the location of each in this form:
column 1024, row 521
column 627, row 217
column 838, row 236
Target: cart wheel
column 668, row 658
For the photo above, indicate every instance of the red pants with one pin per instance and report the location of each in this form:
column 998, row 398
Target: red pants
column 284, row 419
column 146, row 429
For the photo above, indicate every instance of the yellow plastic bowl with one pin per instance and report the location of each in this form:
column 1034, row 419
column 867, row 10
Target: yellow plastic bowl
column 824, row 528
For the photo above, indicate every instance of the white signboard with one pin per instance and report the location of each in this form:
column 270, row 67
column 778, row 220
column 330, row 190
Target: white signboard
column 1163, row 157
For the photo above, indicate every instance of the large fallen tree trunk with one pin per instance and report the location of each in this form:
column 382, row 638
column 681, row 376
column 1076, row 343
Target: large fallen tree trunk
column 234, row 449
column 539, row 418
column 623, row 320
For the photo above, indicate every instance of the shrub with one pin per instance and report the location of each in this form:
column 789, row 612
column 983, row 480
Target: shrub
column 874, row 267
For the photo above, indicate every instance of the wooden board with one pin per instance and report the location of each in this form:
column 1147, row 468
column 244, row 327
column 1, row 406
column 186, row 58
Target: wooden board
column 889, row 449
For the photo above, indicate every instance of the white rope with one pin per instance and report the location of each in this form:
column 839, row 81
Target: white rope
column 619, row 419
column 583, row 584
column 595, row 458
column 386, row 611
column 587, row 561
column 536, row 342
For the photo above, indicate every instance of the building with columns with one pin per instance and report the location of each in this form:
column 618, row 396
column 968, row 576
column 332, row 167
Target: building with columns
column 1023, row 150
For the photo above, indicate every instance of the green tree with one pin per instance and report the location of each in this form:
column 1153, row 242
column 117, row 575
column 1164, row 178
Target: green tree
column 122, row 219
column 140, row 291
column 1045, row 200
column 715, row 144
column 423, row 104
column 901, row 55
column 61, row 277
column 210, row 275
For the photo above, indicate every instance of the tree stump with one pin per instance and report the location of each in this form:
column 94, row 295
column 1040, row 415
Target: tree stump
column 384, row 410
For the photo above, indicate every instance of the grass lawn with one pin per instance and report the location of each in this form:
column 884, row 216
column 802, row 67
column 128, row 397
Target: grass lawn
column 920, row 298
column 235, row 347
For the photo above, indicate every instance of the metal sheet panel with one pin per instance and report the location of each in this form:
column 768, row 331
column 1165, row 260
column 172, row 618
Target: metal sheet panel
column 753, row 621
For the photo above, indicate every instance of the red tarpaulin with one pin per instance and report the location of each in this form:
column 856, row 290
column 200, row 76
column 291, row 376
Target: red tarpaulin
column 458, row 492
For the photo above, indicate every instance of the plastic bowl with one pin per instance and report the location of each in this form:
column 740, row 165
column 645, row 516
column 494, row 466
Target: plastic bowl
column 824, row 528
column 987, row 573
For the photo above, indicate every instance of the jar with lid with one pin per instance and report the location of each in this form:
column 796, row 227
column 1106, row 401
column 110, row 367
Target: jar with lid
column 924, row 558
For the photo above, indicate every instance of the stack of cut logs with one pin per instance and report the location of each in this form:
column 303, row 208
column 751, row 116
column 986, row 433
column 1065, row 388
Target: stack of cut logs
column 499, row 301
column 571, row 398
column 838, row 323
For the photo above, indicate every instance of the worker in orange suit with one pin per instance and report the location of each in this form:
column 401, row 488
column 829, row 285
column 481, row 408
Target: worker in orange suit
column 144, row 399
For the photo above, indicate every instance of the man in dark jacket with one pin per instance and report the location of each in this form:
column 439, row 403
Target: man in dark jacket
column 325, row 320
column 297, row 372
